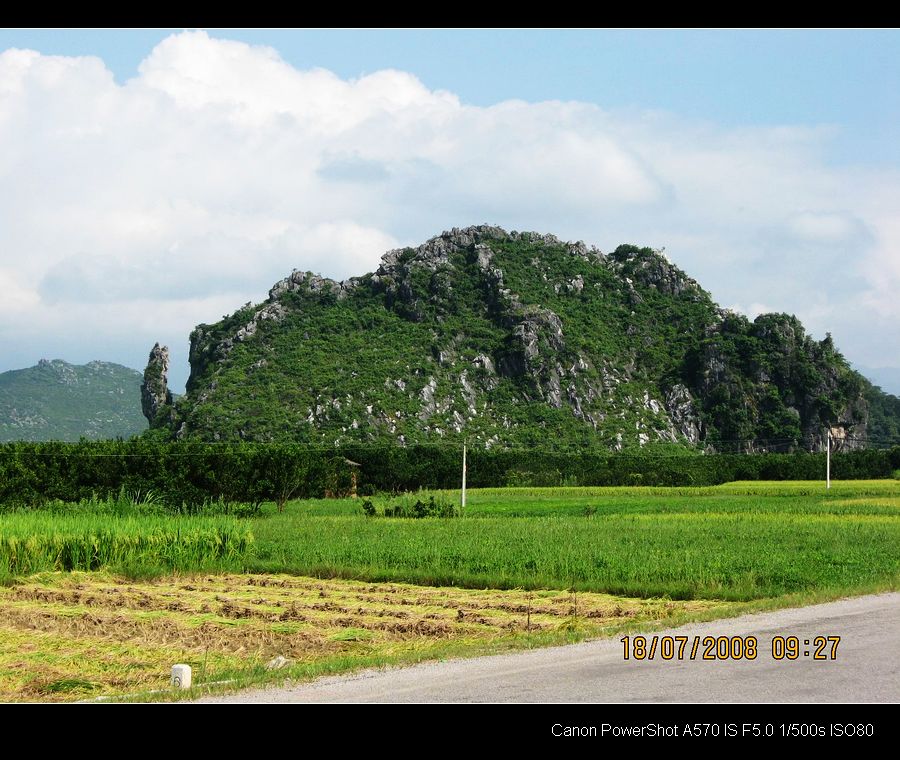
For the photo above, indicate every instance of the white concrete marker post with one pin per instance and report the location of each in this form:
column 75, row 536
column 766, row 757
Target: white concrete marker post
column 828, row 462
column 181, row 676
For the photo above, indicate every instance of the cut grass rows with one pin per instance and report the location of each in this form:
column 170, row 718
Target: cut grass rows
column 81, row 635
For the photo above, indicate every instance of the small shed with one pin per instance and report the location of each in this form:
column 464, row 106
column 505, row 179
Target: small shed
column 354, row 475
column 343, row 479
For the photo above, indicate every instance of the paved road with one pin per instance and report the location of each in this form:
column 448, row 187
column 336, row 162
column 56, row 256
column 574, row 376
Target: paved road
column 866, row 668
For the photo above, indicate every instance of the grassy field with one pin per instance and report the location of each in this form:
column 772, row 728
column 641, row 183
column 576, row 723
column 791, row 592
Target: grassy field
column 328, row 588
column 741, row 541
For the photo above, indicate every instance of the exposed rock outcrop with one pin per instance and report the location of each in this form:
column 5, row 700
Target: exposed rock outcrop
column 683, row 413
column 155, row 393
column 509, row 338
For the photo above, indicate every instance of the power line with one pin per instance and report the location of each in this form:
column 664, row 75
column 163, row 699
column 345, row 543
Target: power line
column 761, row 448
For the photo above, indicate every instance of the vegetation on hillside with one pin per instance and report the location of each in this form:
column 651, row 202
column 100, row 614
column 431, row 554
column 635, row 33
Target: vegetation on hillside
column 511, row 339
column 58, row 401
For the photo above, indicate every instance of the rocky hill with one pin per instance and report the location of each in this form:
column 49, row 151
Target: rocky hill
column 58, row 401
column 507, row 338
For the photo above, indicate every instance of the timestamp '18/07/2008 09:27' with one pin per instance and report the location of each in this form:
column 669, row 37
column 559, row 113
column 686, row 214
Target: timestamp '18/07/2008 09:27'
column 668, row 648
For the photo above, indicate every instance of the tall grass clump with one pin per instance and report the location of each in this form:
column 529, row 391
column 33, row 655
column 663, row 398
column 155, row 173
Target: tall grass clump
column 137, row 502
column 40, row 541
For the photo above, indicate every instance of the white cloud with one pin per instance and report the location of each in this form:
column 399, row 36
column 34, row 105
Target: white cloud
column 826, row 228
column 15, row 298
column 128, row 213
column 753, row 310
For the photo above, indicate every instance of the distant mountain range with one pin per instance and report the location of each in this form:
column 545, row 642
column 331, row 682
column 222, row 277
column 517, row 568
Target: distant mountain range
column 55, row 400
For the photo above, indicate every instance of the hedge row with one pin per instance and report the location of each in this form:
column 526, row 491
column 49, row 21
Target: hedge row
column 187, row 475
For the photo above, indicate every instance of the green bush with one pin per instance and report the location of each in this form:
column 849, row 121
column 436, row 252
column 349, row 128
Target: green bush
column 422, row 505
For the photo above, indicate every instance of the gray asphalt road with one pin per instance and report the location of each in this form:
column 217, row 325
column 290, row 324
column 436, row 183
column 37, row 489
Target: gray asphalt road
column 866, row 668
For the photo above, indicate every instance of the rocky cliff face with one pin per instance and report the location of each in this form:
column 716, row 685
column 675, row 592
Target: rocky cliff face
column 510, row 338
column 155, row 394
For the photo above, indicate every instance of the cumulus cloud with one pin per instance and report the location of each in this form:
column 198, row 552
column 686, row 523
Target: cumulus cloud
column 130, row 212
column 753, row 310
column 16, row 298
column 827, row 229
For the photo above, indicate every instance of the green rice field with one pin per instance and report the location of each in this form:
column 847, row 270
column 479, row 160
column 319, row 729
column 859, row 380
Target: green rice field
column 739, row 541
column 39, row 541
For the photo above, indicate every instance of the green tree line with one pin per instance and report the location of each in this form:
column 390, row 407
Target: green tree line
column 186, row 476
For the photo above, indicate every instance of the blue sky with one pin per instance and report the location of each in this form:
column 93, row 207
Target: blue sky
column 767, row 163
column 850, row 79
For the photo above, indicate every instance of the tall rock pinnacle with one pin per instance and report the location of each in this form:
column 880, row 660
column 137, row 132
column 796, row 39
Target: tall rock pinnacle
column 155, row 393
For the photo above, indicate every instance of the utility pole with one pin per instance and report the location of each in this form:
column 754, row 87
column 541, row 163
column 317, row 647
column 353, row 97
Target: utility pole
column 828, row 461
column 463, row 501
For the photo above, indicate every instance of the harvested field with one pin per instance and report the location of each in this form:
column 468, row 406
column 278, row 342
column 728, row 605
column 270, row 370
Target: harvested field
column 80, row 635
